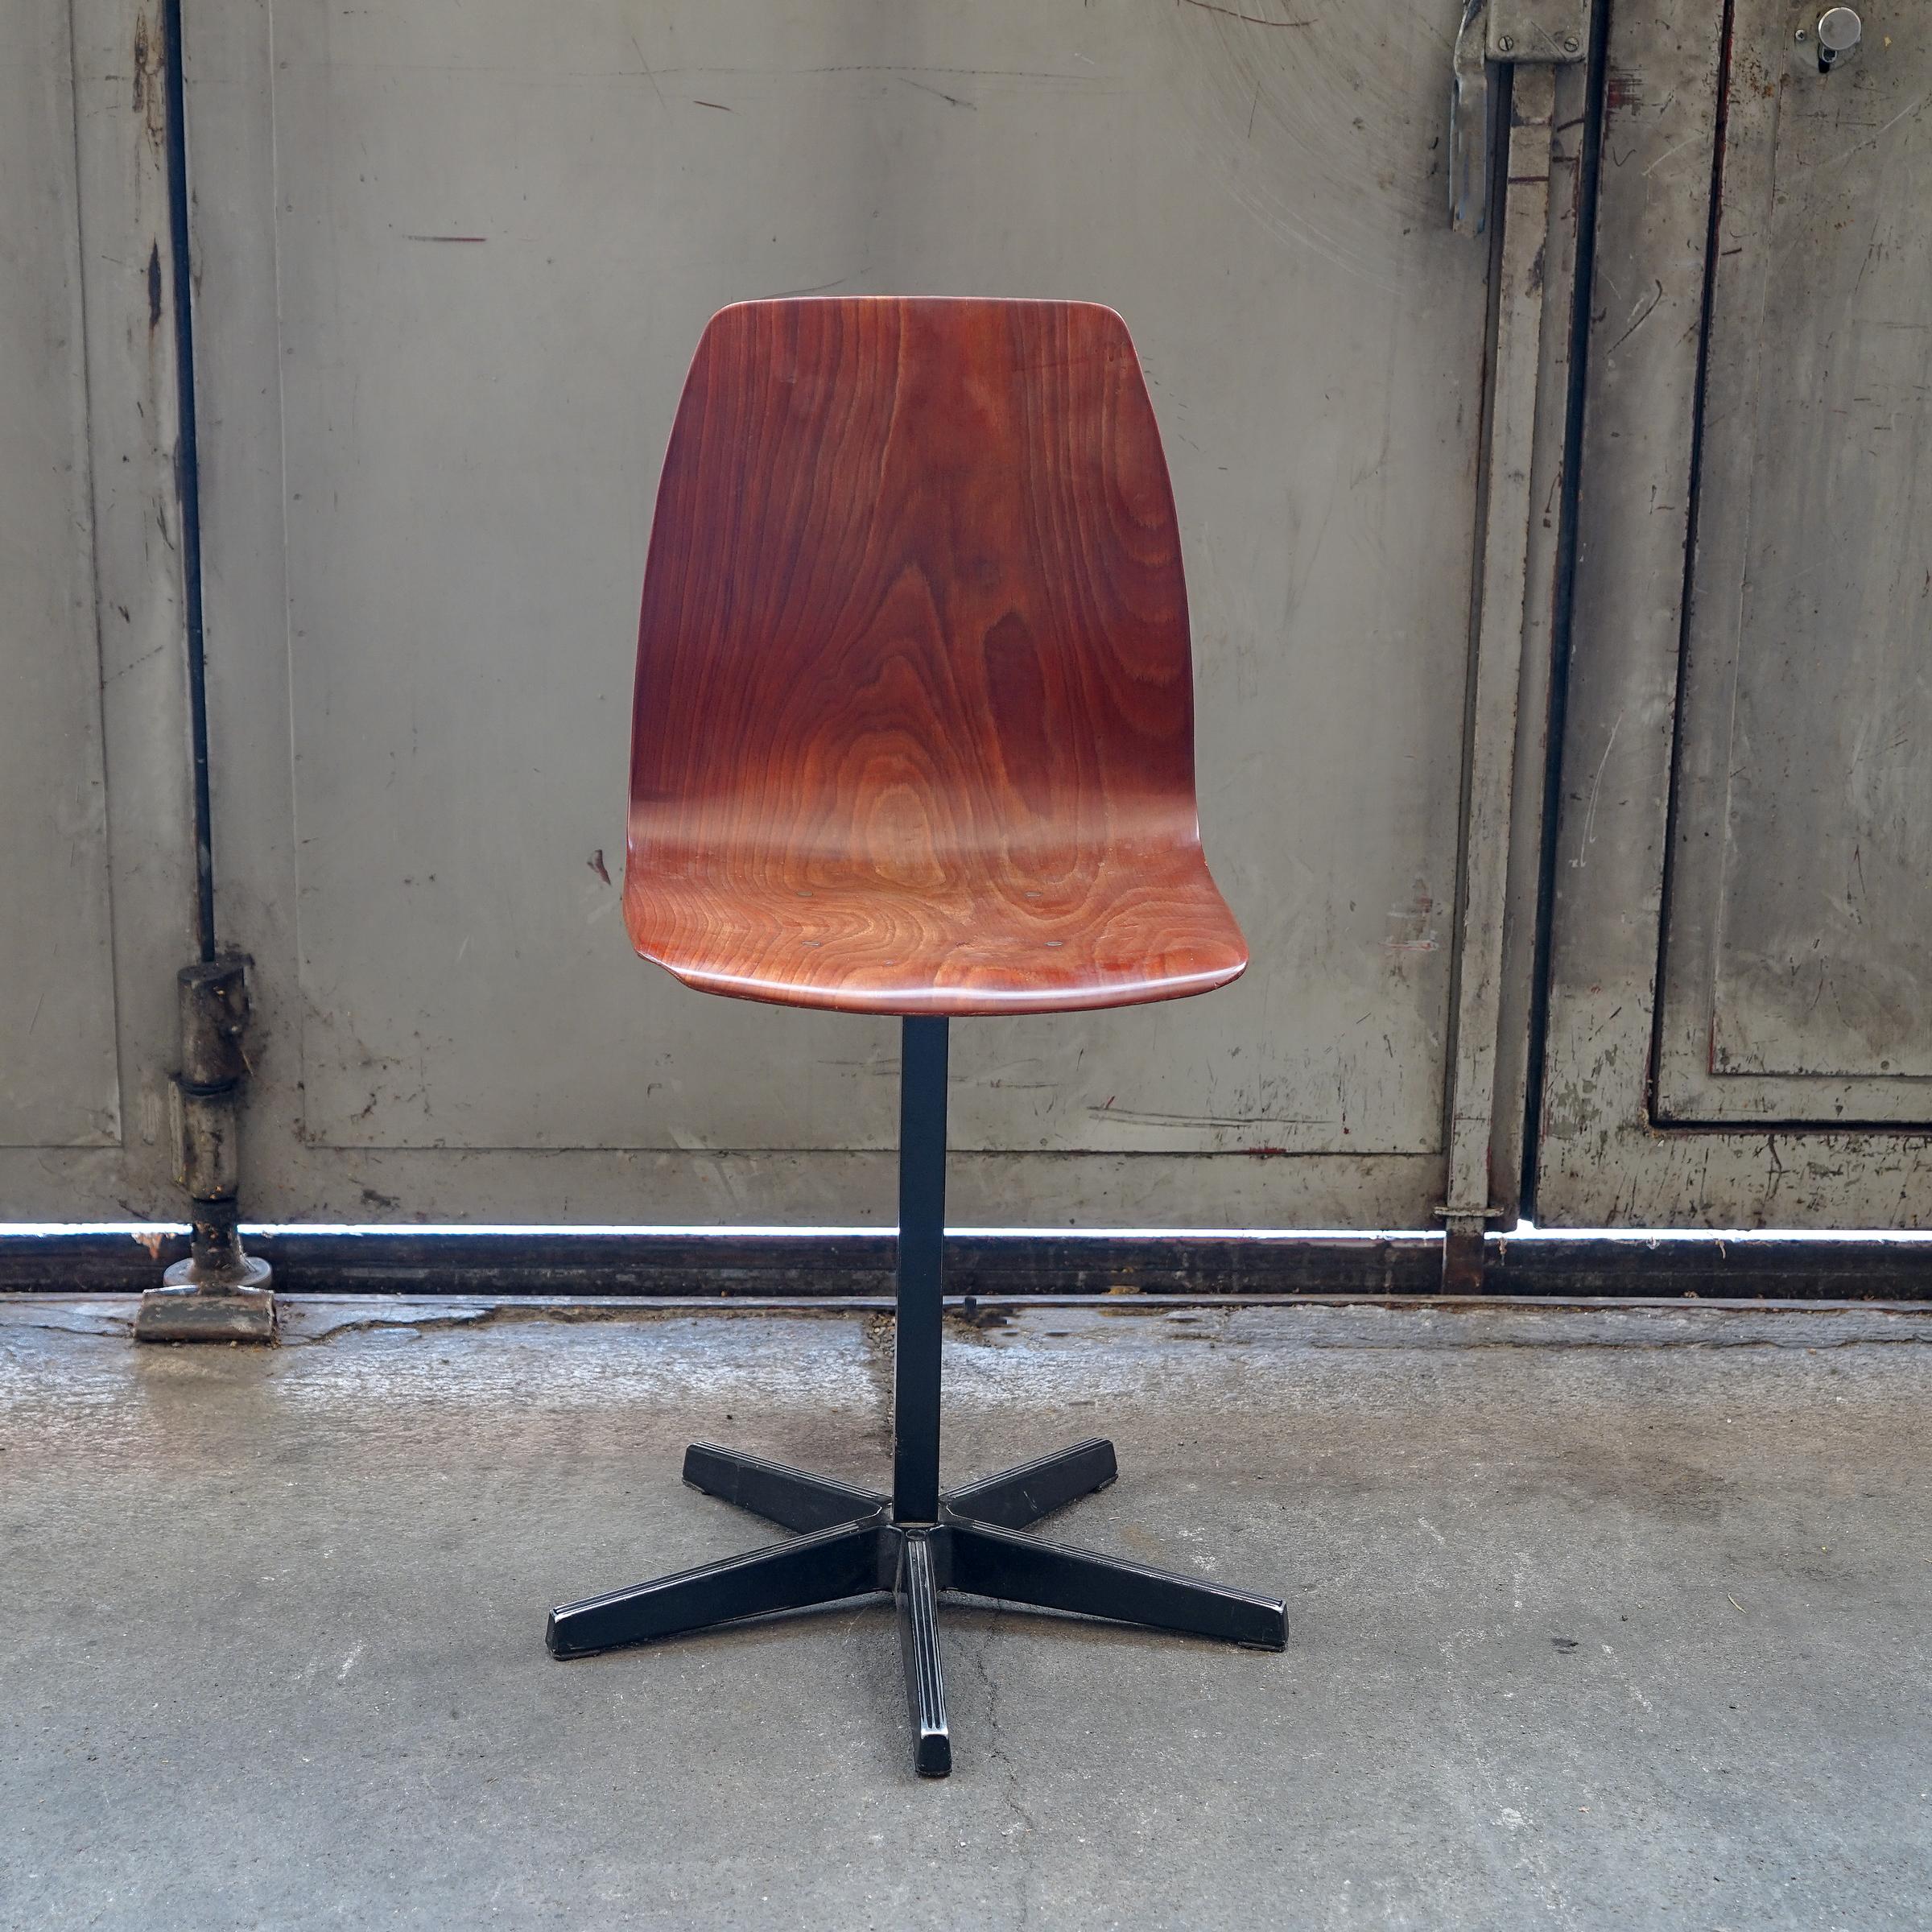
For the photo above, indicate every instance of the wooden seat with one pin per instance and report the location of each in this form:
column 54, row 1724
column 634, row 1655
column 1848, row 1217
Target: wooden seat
column 913, row 730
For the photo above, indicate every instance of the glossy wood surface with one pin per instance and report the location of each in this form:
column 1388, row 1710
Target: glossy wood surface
column 914, row 729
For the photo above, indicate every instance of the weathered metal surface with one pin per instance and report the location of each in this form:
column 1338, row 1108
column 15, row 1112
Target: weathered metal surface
column 1550, row 474
column 94, row 764
column 1556, row 31
column 214, row 1009
column 984, row 1271
column 1603, row 1161
column 1494, row 33
column 1471, row 123
column 497, row 236
column 1800, row 889
column 1515, row 393
column 61, row 1087
column 220, row 1293
column 202, row 1128
column 205, row 1098
column 203, row 1303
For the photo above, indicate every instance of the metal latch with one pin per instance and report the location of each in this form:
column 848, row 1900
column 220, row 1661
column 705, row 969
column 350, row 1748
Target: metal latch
column 221, row 1293
column 1836, row 34
column 204, row 1097
column 1499, row 33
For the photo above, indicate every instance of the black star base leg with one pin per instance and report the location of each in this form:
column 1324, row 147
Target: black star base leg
column 918, row 1542
column 864, row 1552
column 916, row 1587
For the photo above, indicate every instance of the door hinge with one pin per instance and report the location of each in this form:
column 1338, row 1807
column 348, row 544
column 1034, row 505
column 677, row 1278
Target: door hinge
column 1548, row 32
column 220, row 1293
column 1499, row 33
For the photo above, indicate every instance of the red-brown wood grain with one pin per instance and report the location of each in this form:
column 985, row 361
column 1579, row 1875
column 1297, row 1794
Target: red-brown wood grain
column 913, row 730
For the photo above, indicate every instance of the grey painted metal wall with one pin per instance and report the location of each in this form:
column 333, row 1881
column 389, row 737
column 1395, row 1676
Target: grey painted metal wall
column 97, row 866
column 455, row 260
column 452, row 262
column 56, row 970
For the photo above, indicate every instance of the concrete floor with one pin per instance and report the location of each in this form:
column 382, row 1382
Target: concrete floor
column 1597, row 1620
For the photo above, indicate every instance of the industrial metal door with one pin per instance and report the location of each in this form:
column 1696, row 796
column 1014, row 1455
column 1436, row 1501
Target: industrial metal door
column 1775, row 694
column 97, row 880
column 1800, row 916
column 455, row 260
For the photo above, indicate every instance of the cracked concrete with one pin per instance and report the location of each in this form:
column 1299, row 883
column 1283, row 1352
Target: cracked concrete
column 1598, row 1618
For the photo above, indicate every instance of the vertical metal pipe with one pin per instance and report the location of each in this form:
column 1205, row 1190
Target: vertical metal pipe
column 187, row 465
column 915, row 1392
column 1497, row 674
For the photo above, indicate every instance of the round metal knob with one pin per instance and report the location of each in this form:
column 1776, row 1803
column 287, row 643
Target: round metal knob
column 1838, row 29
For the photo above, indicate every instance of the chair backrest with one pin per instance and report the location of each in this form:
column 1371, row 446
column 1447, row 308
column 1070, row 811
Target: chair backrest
column 914, row 577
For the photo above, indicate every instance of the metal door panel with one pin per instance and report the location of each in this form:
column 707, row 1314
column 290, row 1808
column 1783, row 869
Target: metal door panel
column 440, row 358
column 97, row 871
column 62, row 1087
column 1605, row 1154
column 1801, row 892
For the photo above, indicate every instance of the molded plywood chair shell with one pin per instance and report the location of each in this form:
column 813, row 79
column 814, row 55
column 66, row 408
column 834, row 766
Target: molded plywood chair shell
column 915, row 734
column 913, row 730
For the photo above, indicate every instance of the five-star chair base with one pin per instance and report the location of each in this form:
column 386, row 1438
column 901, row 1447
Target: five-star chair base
column 849, row 1546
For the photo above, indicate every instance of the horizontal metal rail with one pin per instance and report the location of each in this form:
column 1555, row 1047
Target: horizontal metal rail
column 810, row 1267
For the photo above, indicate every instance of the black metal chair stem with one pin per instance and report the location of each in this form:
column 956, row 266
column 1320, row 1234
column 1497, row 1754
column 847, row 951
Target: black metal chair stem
column 919, row 1541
